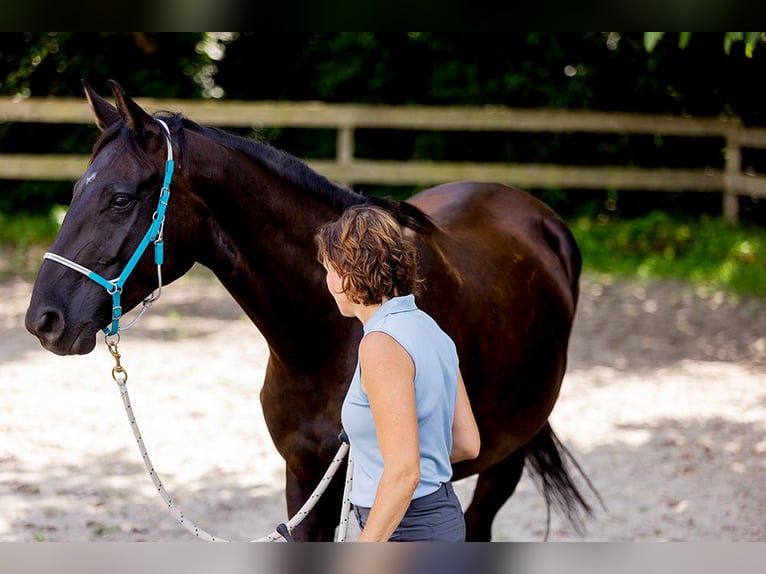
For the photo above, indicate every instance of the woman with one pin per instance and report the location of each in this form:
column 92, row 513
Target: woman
column 407, row 412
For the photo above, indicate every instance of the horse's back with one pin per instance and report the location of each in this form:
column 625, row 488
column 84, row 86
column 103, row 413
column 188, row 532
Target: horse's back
column 491, row 222
column 505, row 290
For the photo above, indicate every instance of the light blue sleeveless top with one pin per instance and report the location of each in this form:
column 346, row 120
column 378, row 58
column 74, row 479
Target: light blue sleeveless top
column 436, row 372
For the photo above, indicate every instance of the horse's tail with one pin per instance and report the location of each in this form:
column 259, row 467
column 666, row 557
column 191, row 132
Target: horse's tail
column 549, row 461
column 413, row 217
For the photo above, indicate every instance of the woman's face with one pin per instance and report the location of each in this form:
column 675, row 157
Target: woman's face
column 335, row 287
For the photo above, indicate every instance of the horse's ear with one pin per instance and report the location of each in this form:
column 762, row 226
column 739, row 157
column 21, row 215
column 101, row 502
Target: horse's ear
column 135, row 117
column 106, row 114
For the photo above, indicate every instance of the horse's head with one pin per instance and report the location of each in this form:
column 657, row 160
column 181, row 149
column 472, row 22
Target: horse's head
column 112, row 208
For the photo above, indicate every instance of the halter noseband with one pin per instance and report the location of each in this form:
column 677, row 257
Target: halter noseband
column 153, row 234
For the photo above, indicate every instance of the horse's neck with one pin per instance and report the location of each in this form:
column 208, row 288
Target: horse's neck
column 262, row 249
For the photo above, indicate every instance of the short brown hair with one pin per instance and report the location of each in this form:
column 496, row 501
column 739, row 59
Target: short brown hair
column 372, row 256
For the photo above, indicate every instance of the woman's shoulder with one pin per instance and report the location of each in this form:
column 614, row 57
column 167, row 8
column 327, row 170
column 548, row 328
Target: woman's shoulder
column 379, row 341
column 382, row 360
column 385, row 345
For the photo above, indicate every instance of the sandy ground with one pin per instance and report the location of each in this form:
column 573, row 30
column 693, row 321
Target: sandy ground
column 664, row 406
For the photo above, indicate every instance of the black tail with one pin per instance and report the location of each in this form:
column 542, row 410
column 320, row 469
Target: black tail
column 549, row 460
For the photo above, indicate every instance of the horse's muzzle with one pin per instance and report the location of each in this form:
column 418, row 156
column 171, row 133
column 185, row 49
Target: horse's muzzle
column 49, row 326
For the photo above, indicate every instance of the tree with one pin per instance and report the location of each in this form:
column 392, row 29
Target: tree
column 52, row 63
column 750, row 40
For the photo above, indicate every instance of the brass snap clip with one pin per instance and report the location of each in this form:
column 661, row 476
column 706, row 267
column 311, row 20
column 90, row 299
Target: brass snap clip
column 119, row 374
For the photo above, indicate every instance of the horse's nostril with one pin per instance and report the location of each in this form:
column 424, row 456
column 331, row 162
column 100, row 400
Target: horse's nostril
column 50, row 325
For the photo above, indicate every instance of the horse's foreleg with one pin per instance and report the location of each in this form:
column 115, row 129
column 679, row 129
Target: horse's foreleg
column 493, row 488
column 319, row 525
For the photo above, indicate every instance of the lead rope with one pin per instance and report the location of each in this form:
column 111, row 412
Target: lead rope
column 283, row 530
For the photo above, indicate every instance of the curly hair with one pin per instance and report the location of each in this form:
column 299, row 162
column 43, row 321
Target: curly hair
column 371, row 255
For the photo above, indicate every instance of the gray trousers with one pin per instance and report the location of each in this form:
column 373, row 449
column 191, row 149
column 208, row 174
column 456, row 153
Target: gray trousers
column 435, row 517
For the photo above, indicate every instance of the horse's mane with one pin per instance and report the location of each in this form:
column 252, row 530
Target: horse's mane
column 287, row 166
column 119, row 130
column 303, row 177
column 298, row 173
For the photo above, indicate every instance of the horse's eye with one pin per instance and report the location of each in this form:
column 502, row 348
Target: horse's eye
column 122, row 201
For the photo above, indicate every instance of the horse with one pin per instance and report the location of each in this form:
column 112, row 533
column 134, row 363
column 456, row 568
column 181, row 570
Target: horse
column 501, row 273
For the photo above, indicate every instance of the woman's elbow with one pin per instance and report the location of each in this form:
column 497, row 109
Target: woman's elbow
column 474, row 450
column 413, row 479
column 409, row 481
column 466, row 451
column 407, row 477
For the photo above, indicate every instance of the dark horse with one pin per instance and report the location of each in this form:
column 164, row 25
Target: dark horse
column 501, row 273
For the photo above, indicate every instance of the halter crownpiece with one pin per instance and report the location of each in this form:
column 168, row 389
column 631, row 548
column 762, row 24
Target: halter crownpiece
column 153, row 234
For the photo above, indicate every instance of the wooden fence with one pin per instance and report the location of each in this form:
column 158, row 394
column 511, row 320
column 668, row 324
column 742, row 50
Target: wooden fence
column 730, row 181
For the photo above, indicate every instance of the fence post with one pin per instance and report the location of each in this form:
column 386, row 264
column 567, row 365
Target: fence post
column 732, row 173
column 344, row 149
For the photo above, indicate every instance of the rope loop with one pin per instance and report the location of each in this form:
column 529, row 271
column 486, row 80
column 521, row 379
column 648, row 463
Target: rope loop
column 283, row 531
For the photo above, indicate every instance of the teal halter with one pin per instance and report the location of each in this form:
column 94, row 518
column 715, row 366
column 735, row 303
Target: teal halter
column 153, row 234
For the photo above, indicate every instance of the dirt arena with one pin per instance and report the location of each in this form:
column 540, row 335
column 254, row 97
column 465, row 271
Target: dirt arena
column 664, row 407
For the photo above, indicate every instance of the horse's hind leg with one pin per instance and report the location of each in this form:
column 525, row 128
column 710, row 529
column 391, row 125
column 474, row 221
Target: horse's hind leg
column 493, row 488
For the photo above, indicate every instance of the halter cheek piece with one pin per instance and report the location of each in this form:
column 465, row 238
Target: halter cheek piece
column 153, row 234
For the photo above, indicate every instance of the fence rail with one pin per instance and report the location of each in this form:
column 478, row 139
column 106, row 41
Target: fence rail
column 730, row 181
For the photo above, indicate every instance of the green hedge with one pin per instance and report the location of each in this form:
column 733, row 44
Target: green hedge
column 704, row 251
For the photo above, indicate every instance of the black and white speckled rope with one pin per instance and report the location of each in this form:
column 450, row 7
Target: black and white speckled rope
column 282, row 531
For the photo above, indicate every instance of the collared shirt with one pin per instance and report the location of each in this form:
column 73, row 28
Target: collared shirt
column 436, row 371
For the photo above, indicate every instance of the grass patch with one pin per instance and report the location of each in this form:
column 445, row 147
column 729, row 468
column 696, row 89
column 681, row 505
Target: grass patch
column 705, row 251
column 23, row 239
column 22, row 230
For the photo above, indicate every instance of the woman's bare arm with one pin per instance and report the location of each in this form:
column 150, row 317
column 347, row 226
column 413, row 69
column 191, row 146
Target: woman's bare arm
column 388, row 376
column 466, row 442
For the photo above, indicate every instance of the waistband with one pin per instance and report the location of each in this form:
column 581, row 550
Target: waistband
column 444, row 492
